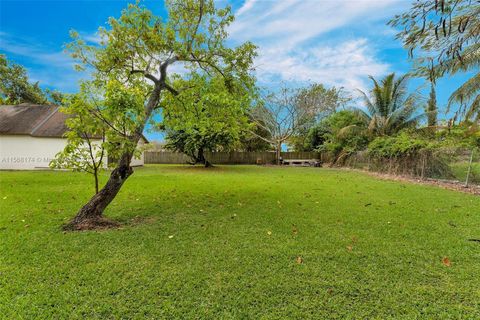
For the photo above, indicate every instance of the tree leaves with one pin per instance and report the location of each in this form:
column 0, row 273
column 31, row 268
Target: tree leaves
column 208, row 116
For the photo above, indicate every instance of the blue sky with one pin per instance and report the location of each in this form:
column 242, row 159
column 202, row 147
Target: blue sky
column 300, row 41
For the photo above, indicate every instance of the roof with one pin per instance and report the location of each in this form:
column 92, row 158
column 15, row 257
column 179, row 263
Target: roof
column 34, row 120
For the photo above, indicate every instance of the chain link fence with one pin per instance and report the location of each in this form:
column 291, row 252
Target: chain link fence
column 460, row 166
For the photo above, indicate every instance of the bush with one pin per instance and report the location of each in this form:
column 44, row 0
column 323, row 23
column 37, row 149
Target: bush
column 401, row 145
column 332, row 135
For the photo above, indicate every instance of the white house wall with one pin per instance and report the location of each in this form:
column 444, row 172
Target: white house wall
column 139, row 161
column 22, row 152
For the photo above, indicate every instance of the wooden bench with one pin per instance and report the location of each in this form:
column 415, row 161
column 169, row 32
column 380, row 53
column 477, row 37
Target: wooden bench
column 302, row 162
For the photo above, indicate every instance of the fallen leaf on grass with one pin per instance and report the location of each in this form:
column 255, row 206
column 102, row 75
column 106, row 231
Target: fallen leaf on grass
column 349, row 248
column 269, row 233
column 299, row 260
column 446, row 262
column 294, row 230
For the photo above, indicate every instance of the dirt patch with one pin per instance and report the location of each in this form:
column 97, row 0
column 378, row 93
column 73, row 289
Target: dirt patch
column 92, row 224
column 450, row 185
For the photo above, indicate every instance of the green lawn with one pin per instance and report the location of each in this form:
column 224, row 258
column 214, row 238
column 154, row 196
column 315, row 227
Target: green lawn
column 224, row 243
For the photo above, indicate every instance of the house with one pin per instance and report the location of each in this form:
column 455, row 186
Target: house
column 31, row 135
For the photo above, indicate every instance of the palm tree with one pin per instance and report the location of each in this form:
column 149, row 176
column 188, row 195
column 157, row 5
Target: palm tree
column 389, row 106
column 468, row 94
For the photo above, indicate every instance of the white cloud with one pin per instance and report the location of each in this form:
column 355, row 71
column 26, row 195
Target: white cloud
column 246, row 6
column 346, row 64
column 49, row 67
column 93, row 38
column 298, row 40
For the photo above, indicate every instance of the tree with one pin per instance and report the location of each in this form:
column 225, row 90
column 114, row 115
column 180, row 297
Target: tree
column 250, row 141
column 331, row 136
column 325, row 102
column 86, row 146
column 316, row 136
column 445, row 35
column 130, row 68
column 290, row 112
column 431, row 109
column 15, row 87
column 208, row 117
column 389, row 108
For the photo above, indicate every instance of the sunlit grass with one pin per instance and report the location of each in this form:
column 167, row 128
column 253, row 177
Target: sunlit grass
column 239, row 242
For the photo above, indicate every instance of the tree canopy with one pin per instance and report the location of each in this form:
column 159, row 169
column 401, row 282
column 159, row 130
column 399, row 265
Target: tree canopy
column 16, row 88
column 444, row 36
column 208, row 117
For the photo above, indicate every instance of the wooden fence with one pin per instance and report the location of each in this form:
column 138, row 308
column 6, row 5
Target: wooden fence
column 234, row 157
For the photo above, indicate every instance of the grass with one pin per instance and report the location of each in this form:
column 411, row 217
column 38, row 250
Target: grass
column 225, row 243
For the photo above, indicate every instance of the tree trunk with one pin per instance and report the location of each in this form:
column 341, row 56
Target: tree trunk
column 90, row 215
column 278, row 152
column 95, row 173
column 201, row 158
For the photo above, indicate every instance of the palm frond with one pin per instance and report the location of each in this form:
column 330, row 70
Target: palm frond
column 466, row 91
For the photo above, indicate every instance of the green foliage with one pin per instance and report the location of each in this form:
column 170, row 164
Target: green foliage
column 465, row 135
column 101, row 121
column 209, row 116
column 139, row 44
column 445, row 37
column 250, row 141
column 423, row 154
column 321, row 102
column 85, row 149
column 15, row 88
column 195, row 245
column 400, row 145
column 330, row 136
column 410, row 142
column 389, row 107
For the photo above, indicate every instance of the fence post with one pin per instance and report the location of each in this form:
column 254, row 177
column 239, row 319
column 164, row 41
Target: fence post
column 423, row 166
column 469, row 169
